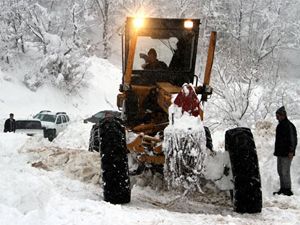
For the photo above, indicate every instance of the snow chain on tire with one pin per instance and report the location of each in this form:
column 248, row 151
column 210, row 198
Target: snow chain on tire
column 114, row 161
column 247, row 195
column 94, row 144
column 209, row 143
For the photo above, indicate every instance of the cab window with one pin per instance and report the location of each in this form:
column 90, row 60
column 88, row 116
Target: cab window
column 173, row 50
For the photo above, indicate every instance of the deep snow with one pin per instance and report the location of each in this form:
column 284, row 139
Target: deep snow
column 61, row 187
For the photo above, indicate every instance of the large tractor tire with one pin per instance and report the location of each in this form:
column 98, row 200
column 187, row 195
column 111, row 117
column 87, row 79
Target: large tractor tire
column 114, row 161
column 247, row 195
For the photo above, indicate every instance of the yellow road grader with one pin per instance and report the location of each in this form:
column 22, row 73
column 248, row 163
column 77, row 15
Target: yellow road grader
column 161, row 117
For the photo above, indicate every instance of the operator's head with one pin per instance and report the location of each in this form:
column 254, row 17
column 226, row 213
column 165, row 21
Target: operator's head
column 281, row 113
column 152, row 55
column 11, row 115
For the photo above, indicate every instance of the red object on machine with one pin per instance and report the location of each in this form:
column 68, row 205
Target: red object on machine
column 188, row 100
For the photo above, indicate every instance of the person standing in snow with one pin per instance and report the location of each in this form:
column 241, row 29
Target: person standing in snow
column 285, row 146
column 10, row 124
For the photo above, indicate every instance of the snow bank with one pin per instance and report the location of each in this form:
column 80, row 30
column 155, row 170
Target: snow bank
column 19, row 187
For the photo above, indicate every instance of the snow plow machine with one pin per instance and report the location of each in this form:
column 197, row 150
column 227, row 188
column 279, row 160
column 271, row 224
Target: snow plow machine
column 161, row 122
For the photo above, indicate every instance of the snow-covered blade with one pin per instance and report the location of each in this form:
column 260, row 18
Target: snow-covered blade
column 185, row 150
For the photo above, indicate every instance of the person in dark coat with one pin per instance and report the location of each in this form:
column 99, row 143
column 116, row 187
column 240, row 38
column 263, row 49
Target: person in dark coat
column 178, row 60
column 285, row 147
column 152, row 63
column 10, row 124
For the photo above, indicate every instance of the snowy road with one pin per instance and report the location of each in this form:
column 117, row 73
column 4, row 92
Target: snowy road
column 32, row 195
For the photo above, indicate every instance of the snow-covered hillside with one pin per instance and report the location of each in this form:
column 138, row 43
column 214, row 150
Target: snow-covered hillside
column 57, row 183
column 100, row 93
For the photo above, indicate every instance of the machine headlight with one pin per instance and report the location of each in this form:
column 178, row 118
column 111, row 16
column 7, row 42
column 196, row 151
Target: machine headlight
column 138, row 22
column 188, row 24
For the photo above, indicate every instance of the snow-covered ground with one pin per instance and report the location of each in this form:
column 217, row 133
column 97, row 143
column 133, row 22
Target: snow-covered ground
column 57, row 182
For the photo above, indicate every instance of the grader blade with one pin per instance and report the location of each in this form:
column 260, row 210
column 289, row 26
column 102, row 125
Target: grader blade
column 185, row 151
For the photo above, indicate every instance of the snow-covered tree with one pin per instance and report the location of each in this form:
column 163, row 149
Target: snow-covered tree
column 13, row 27
column 186, row 8
column 251, row 36
column 104, row 12
column 38, row 23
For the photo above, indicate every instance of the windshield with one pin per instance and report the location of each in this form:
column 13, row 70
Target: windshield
column 163, row 53
column 37, row 116
column 99, row 115
column 45, row 117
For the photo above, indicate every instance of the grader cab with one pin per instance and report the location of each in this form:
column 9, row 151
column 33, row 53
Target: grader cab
column 145, row 90
column 159, row 58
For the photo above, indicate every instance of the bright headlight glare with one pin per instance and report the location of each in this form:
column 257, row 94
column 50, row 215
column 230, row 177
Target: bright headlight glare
column 138, row 22
column 188, row 24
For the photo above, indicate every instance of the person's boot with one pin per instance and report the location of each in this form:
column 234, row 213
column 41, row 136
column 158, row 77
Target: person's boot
column 288, row 192
column 281, row 191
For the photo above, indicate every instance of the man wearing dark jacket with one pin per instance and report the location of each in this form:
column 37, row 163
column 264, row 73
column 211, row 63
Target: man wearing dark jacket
column 152, row 63
column 10, row 124
column 285, row 146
